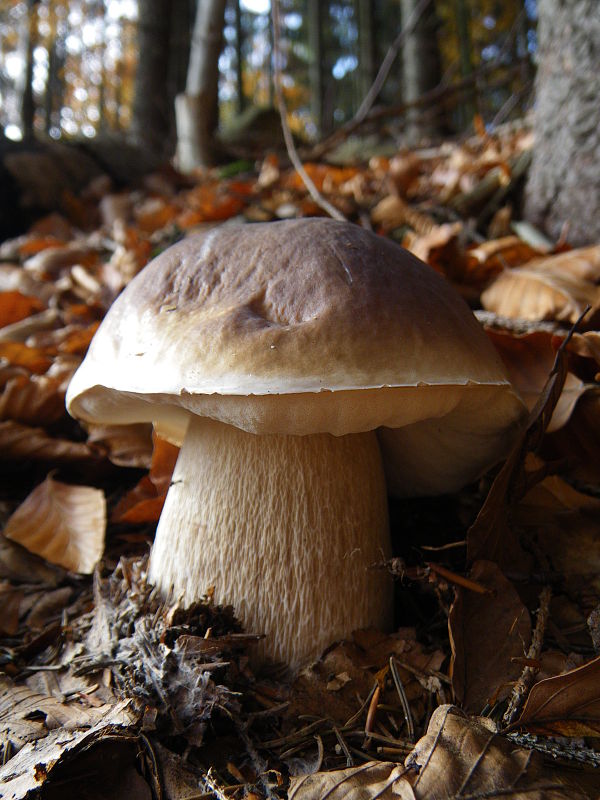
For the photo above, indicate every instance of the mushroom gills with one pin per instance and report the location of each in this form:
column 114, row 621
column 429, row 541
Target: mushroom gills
column 287, row 529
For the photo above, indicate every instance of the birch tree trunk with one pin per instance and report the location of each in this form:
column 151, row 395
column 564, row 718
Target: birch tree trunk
column 564, row 181
column 197, row 109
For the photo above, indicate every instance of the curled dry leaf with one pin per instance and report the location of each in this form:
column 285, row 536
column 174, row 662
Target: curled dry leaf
column 64, row 524
column 558, row 287
column 489, row 259
column 145, row 501
column 565, row 705
column 32, row 400
column 487, row 633
column 20, row 442
column 125, row 445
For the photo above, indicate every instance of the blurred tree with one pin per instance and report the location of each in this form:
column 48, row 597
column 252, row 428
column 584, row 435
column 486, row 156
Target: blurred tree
column 564, row 180
column 197, row 109
column 150, row 120
column 421, row 65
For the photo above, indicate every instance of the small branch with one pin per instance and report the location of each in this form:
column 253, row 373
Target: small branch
column 390, row 57
column 523, row 685
column 287, row 134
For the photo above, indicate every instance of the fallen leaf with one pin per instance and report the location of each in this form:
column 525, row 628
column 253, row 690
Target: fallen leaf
column 10, row 601
column 556, row 287
column 565, row 705
column 32, row 400
column 462, row 757
column 15, row 306
column 487, row 632
column 374, row 780
column 487, row 260
column 458, row 757
column 145, row 501
column 564, row 523
column 31, row 358
column 44, row 731
column 125, row 445
column 529, row 359
column 492, row 536
column 64, row 524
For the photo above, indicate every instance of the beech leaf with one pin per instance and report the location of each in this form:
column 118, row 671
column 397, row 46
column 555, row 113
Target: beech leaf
column 64, row 524
column 565, row 705
column 487, row 633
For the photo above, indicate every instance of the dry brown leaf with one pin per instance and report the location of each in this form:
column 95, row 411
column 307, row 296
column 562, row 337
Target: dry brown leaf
column 439, row 248
column 361, row 661
column 458, row 757
column 10, row 602
column 20, row 442
column 375, row 780
column 529, row 359
column 462, row 757
column 64, row 524
column 32, row 400
column 19, row 566
column 557, row 287
column 15, row 306
column 579, row 440
column 145, row 501
column 43, row 731
column 488, row 259
column 492, row 536
column 565, row 705
column 125, row 445
column 30, row 358
column 565, row 524
column 487, row 633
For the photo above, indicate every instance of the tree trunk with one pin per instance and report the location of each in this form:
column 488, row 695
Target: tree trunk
column 421, row 70
column 197, row 109
column 366, row 47
column 315, row 65
column 564, row 181
column 150, row 123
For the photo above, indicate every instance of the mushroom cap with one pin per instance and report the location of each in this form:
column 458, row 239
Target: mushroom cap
column 294, row 327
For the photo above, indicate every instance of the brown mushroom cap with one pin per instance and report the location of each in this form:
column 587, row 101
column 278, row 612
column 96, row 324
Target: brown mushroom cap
column 295, row 327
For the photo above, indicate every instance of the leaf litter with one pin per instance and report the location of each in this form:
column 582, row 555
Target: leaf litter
column 100, row 671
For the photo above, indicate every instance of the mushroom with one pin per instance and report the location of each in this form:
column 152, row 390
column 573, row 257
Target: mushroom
column 281, row 355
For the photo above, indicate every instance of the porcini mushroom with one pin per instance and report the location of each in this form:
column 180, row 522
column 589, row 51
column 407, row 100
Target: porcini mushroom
column 275, row 352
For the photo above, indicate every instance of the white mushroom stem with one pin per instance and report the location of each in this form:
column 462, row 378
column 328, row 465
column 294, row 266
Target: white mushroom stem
column 285, row 528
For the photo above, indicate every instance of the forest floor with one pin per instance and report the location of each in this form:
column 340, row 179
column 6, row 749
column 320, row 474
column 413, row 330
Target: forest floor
column 489, row 686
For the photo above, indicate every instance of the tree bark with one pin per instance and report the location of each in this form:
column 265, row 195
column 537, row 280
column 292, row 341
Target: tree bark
column 150, row 122
column 421, row 70
column 564, row 180
column 197, row 109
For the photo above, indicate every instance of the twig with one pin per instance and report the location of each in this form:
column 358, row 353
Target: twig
column 403, row 699
column 522, row 686
column 287, row 134
column 452, row 577
column 344, row 747
column 390, row 57
column 426, row 100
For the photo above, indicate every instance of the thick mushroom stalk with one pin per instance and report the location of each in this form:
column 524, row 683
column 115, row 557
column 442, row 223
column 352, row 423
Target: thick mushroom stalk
column 286, row 528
